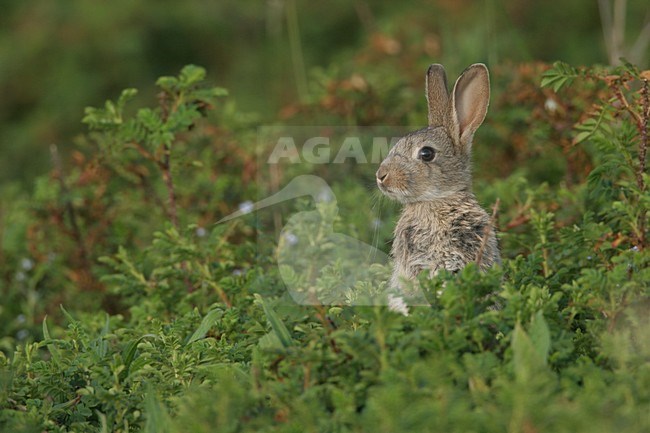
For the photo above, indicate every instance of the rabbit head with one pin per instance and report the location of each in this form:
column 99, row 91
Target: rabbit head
column 435, row 162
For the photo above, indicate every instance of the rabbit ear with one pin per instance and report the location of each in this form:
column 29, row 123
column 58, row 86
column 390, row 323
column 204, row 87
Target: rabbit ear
column 469, row 103
column 437, row 95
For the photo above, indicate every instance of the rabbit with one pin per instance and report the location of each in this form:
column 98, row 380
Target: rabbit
column 428, row 171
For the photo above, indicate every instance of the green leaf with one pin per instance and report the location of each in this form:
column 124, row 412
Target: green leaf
column 129, row 354
column 157, row 416
column 68, row 316
column 111, row 114
column 581, row 136
column 191, row 74
column 548, row 79
column 167, row 83
column 209, row 94
column 557, row 85
column 281, row 331
column 558, row 76
column 54, row 351
column 523, row 354
column 99, row 345
column 530, row 351
column 540, row 336
column 102, row 422
column 208, row 322
column 125, row 96
column 149, row 119
column 269, row 340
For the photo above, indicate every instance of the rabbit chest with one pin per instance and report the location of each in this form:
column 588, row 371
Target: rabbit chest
column 446, row 235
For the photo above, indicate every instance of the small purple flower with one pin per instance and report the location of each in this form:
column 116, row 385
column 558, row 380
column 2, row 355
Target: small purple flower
column 291, row 238
column 26, row 264
column 246, row 207
column 324, row 195
column 551, row 105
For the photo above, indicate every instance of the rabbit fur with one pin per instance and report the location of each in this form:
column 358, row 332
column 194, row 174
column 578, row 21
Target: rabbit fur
column 442, row 226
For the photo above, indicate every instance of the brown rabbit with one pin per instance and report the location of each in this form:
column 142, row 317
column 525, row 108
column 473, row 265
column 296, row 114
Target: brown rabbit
column 442, row 226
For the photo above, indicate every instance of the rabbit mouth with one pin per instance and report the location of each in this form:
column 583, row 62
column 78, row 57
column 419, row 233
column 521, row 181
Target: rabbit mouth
column 398, row 194
column 386, row 190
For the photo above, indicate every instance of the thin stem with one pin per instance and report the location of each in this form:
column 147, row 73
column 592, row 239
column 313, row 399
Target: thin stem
column 144, row 152
column 643, row 148
column 606, row 23
column 70, row 210
column 171, row 211
column 643, row 144
column 636, row 116
column 618, row 29
column 220, row 292
column 306, row 381
column 164, row 163
column 545, row 266
column 296, row 50
column 169, row 183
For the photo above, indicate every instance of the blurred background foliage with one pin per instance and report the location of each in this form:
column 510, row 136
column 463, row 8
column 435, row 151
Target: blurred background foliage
column 69, row 196
column 56, row 57
column 166, row 313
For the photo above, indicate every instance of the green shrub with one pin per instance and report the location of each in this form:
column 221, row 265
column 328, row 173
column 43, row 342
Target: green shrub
column 197, row 333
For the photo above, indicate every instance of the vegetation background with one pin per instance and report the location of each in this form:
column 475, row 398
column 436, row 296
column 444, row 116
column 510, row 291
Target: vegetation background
column 126, row 309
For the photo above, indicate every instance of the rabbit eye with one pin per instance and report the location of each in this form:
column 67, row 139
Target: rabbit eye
column 426, row 154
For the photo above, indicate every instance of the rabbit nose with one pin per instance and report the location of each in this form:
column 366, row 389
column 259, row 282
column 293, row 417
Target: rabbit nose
column 381, row 175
